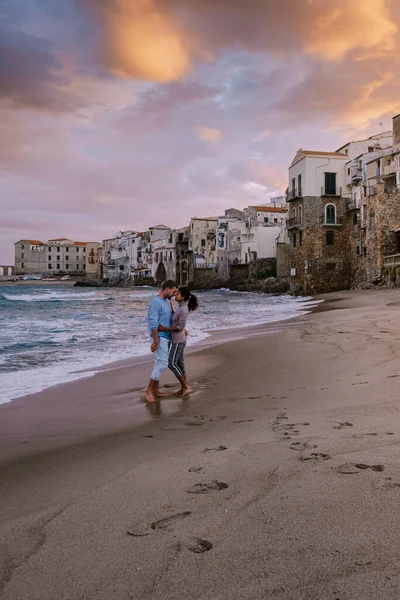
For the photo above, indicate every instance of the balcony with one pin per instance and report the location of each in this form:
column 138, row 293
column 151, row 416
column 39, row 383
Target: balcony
column 327, row 222
column 389, row 170
column 295, row 193
column 353, row 204
column 331, row 191
column 118, row 254
column 391, row 261
column 294, row 223
column 356, row 174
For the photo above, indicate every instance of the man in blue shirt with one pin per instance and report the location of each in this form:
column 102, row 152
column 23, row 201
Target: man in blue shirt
column 160, row 313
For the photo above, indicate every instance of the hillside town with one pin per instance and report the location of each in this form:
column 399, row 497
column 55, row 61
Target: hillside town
column 338, row 227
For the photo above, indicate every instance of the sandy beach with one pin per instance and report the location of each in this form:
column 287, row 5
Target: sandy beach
column 279, row 477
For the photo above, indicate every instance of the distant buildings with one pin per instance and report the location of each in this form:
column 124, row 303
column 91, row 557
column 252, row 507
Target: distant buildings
column 209, row 245
column 58, row 256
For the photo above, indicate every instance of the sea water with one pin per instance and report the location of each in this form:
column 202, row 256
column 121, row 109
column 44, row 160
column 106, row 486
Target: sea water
column 51, row 334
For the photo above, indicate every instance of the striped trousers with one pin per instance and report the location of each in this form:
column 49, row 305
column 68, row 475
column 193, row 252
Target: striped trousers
column 176, row 359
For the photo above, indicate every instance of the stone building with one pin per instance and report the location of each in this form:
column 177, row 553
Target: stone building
column 184, row 257
column 229, row 241
column 320, row 257
column 94, row 262
column 59, row 256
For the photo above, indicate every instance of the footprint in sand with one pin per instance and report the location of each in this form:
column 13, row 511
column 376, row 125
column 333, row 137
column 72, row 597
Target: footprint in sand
column 195, row 469
column 199, row 546
column 315, row 456
column 300, row 446
column 216, row 449
column 342, row 424
column 353, row 468
column 208, row 486
column 143, row 529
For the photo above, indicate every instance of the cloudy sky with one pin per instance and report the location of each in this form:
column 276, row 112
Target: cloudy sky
column 118, row 114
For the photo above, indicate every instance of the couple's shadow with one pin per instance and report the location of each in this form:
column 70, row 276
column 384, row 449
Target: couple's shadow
column 156, row 409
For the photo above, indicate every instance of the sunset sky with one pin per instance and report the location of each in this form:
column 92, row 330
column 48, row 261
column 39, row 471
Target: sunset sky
column 121, row 114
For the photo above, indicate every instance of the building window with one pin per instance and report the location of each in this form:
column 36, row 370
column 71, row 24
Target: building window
column 170, row 255
column 330, row 238
column 365, row 251
column 67, row 249
column 49, row 256
column 299, row 185
column 265, row 219
column 348, row 170
column 58, row 249
column 370, row 148
column 84, row 267
column 330, row 266
column 58, row 267
column 203, row 243
column 22, row 246
column 77, row 249
column 300, row 214
column 77, row 267
column 300, row 238
column 275, row 220
column 22, row 265
column 294, row 212
column 294, row 184
column 355, row 219
column 84, row 250
column 330, row 214
column 58, row 257
column 294, row 240
column 67, row 266
column 50, row 267
column 67, row 257
column 330, row 184
column 22, row 255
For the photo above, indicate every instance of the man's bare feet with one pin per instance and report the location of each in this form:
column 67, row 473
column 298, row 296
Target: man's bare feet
column 183, row 392
column 149, row 396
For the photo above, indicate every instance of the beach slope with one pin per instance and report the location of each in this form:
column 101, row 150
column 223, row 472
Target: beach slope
column 278, row 478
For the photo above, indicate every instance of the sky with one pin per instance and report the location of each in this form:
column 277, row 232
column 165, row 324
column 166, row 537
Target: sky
column 122, row 114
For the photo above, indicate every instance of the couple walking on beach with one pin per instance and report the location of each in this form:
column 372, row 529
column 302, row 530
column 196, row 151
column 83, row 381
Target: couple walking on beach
column 168, row 332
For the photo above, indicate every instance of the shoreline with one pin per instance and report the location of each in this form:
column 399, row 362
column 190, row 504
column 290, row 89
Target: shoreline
column 302, row 429
column 213, row 337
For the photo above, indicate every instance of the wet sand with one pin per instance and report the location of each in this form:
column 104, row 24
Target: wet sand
column 278, row 478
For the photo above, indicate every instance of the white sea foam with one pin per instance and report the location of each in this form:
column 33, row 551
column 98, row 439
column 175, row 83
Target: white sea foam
column 58, row 333
column 55, row 296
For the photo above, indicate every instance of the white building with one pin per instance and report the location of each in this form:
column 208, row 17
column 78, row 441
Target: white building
column 267, row 215
column 315, row 174
column 203, row 234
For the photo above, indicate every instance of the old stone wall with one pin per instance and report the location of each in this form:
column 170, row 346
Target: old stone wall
column 262, row 268
column 320, row 267
column 383, row 219
column 238, row 275
column 282, row 260
column 206, row 279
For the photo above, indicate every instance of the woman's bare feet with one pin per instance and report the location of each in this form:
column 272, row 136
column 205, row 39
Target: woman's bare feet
column 183, row 392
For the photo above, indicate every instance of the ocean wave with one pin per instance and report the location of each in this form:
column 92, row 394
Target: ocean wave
column 141, row 295
column 55, row 297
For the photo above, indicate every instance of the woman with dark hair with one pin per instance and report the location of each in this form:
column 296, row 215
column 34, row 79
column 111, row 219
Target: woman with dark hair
column 187, row 302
